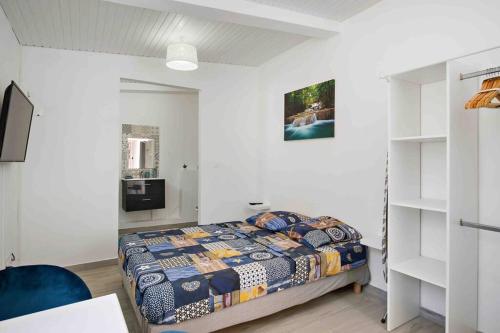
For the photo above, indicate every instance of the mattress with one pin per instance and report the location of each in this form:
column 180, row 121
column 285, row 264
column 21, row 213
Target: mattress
column 181, row 274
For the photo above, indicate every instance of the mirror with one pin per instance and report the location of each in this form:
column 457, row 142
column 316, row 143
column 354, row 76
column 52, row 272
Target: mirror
column 141, row 153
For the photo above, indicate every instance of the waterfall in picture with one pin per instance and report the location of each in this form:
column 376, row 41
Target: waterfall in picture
column 313, row 118
column 305, row 120
column 310, row 112
column 299, row 122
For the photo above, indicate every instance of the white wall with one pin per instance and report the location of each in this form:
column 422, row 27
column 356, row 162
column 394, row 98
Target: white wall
column 177, row 117
column 69, row 213
column 70, row 187
column 10, row 62
column 344, row 176
column 489, row 198
column 489, row 214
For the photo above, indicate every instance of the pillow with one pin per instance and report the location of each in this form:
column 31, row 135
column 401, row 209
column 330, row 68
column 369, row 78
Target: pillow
column 337, row 230
column 307, row 235
column 276, row 221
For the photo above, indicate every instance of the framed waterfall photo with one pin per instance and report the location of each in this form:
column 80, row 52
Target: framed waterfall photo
column 310, row 112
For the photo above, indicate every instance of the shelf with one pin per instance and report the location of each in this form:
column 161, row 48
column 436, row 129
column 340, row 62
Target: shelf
column 373, row 241
column 260, row 207
column 421, row 139
column 426, row 204
column 425, row 269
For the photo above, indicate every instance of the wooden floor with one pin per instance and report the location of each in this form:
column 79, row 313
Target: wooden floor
column 339, row 311
column 157, row 227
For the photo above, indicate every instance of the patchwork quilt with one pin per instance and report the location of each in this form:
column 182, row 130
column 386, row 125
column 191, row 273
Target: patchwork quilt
column 186, row 273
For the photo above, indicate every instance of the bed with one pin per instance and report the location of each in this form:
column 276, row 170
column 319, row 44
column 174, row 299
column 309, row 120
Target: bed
column 205, row 278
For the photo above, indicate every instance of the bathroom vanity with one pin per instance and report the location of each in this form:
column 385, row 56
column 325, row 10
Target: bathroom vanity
column 143, row 194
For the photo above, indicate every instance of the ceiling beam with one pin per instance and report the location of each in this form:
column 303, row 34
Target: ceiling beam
column 245, row 13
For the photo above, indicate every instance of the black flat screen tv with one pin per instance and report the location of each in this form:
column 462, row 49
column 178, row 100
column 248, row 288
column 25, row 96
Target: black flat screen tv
column 15, row 124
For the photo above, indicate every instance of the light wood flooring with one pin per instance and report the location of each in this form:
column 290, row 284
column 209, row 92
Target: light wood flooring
column 339, row 311
column 157, row 227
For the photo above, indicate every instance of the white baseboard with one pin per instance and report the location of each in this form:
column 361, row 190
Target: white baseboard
column 151, row 223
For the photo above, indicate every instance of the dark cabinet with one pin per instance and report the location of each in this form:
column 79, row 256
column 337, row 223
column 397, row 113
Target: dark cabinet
column 143, row 194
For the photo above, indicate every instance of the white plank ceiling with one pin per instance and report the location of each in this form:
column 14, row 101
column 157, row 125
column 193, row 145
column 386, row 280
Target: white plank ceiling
column 100, row 26
column 338, row 10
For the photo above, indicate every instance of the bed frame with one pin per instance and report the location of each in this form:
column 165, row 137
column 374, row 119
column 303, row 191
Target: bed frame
column 256, row 308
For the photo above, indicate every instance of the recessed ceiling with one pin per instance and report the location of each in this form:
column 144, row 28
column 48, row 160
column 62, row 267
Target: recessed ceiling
column 338, row 10
column 101, row 26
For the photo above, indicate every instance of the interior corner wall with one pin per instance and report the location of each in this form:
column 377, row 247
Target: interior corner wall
column 344, row 176
column 71, row 178
column 10, row 176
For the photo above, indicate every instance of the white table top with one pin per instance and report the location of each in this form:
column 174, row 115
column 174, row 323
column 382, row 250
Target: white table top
column 101, row 314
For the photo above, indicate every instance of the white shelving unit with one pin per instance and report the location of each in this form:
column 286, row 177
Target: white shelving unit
column 426, row 156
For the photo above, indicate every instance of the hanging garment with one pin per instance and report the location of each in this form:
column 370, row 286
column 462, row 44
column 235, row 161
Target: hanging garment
column 488, row 97
column 384, row 221
column 384, row 228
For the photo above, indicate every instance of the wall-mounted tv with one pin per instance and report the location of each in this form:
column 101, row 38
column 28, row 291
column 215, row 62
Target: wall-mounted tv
column 15, row 124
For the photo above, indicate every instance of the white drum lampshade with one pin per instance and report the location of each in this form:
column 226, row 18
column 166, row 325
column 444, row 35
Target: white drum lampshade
column 182, row 57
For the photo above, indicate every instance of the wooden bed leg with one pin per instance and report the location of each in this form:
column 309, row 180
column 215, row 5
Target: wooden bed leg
column 357, row 288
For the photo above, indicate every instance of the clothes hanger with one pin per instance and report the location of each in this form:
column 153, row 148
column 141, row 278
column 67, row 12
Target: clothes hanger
column 488, row 96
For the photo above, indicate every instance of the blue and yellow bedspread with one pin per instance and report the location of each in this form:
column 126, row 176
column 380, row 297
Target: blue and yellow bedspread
column 180, row 274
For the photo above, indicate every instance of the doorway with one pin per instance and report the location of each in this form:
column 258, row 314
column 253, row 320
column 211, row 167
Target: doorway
column 173, row 111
